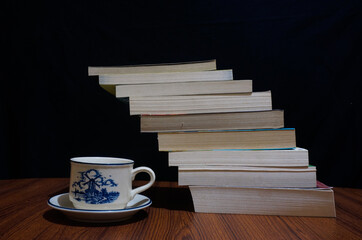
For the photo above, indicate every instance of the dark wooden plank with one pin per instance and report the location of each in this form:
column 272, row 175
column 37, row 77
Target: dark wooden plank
column 24, row 214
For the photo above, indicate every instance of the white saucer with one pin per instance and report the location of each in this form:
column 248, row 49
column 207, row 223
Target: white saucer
column 61, row 202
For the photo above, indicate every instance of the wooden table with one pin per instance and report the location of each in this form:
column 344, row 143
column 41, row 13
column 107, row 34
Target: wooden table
column 24, row 214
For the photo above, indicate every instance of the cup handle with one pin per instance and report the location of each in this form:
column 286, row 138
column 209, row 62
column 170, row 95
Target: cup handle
column 146, row 186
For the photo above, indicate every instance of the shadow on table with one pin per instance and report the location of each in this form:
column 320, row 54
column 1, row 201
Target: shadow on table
column 162, row 197
column 58, row 217
column 170, row 198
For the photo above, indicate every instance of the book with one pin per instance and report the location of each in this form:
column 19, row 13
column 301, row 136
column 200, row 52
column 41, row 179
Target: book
column 228, row 139
column 296, row 157
column 247, row 176
column 161, row 105
column 184, row 88
column 212, row 121
column 310, row 202
column 165, row 77
column 154, row 68
column 109, row 81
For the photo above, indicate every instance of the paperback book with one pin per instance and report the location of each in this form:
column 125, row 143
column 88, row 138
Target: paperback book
column 247, row 176
column 161, row 105
column 212, row 121
column 295, row 157
column 165, row 77
column 154, row 68
column 310, row 202
column 184, row 88
column 232, row 139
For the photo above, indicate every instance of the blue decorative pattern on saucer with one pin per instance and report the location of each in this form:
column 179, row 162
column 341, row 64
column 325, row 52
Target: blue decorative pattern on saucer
column 91, row 188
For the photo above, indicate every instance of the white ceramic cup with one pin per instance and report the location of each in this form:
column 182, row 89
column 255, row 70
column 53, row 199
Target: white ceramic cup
column 104, row 183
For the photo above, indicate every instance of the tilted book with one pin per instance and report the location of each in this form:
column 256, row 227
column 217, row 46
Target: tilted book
column 154, row 68
column 311, row 202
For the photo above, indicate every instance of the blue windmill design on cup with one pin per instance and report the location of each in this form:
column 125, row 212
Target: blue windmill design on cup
column 91, row 188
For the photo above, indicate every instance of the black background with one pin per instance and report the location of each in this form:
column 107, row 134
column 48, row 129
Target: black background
column 306, row 52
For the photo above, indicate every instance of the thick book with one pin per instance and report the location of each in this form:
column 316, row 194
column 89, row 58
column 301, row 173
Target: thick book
column 296, row 157
column 212, row 121
column 184, row 88
column 310, row 202
column 247, row 176
column 231, row 139
column 154, row 68
column 165, row 77
column 161, row 105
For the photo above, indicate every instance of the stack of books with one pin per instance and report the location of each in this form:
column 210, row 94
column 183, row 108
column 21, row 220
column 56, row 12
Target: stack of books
column 230, row 146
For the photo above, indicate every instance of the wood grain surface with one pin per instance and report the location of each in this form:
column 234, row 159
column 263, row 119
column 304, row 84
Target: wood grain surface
column 24, row 214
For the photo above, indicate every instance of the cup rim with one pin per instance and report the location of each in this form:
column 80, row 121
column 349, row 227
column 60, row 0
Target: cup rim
column 114, row 161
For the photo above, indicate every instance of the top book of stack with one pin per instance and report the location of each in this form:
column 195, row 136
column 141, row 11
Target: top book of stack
column 181, row 88
column 134, row 75
column 155, row 68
